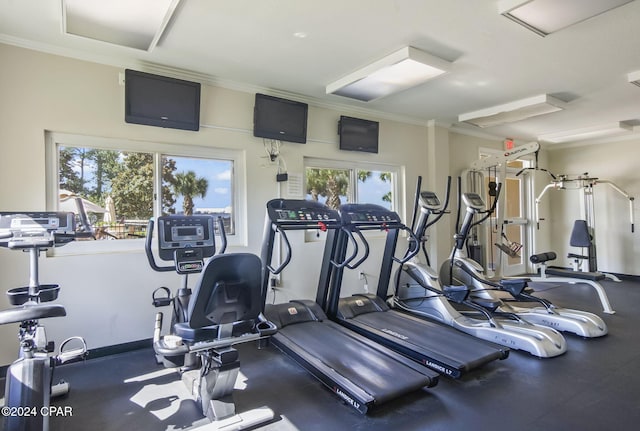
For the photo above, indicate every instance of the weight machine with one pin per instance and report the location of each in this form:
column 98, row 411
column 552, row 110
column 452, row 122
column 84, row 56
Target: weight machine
column 584, row 236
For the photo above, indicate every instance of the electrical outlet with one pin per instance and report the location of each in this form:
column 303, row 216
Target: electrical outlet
column 360, row 275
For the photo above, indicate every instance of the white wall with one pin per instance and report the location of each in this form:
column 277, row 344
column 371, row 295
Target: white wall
column 617, row 247
column 107, row 296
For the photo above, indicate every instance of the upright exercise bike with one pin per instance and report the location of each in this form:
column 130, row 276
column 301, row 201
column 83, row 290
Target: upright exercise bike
column 29, row 379
column 460, row 269
column 419, row 292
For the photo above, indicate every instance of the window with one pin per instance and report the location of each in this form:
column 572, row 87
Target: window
column 121, row 184
column 334, row 183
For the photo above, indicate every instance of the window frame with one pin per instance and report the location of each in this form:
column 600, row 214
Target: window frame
column 238, row 196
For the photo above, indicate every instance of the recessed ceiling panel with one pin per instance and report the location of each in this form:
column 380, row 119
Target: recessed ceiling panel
column 133, row 23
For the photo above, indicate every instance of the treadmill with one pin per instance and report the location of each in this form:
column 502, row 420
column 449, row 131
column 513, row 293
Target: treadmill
column 361, row 372
column 431, row 344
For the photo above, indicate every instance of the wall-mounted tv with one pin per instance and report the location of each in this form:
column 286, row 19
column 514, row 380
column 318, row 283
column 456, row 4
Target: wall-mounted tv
column 358, row 135
column 155, row 100
column 281, row 119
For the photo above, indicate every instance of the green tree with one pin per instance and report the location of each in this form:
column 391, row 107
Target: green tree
column 168, row 200
column 69, row 179
column 106, row 167
column 188, row 185
column 132, row 187
column 386, row 177
column 328, row 183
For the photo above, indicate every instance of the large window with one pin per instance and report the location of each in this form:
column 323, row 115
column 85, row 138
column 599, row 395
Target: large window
column 121, row 184
column 335, row 182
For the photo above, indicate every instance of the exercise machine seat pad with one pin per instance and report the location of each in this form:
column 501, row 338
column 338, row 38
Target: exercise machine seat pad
column 229, row 290
column 580, row 234
column 543, row 257
column 31, row 312
column 208, row 333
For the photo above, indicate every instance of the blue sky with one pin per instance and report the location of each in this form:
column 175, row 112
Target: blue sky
column 217, row 172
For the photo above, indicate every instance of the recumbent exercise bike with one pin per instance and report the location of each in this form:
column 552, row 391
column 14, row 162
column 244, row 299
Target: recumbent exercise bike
column 224, row 309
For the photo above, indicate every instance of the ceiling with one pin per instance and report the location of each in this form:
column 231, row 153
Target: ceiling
column 252, row 44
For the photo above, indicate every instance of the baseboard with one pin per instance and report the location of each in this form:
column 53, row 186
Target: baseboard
column 101, row 352
column 115, row 349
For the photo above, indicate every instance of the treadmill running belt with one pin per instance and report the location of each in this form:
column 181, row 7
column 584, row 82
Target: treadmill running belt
column 440, row 343
column 335, row 351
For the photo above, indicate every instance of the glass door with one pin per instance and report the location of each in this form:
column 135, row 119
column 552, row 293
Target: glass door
column 513, row 232
column 507, row 227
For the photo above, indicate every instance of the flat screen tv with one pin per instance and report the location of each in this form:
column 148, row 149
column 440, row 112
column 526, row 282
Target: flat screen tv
column 281, row 119
column 155, row 100
column 358, row 135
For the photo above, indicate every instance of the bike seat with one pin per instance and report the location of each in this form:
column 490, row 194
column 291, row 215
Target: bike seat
column 31, row 312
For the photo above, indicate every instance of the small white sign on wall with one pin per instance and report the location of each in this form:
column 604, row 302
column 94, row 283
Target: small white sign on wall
column 294, row 186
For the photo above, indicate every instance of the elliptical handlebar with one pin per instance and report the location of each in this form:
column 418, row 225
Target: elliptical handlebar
column 416, row 203
column 491, row 210
column 442, row 211
column 414, row 248
column 468, row 223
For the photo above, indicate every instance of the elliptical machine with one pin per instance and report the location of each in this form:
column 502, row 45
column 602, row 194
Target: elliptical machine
column 29, row 379
column 419, row 291
column 499, row 296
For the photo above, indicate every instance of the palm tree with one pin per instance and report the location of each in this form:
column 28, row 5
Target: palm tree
column 328, row 183
column 188, row 185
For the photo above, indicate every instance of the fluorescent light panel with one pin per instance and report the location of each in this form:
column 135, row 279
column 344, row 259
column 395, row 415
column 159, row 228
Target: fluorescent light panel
column 587, row 133
column 133, row 23
column 403, row 69
column 513, row 111
column 548, row 16
column 634, row 78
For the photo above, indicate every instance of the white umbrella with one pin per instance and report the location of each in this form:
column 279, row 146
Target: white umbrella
column 67, row 203
column 110, row 214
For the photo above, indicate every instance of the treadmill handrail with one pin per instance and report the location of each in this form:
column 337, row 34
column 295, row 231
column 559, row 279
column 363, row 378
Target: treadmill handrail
column 356, row 249
column 287, row 257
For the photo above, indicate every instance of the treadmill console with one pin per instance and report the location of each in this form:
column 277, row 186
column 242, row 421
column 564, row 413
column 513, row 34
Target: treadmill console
column 307, row 214
column 473, row 201
column 185, row 232
column 429, row 200
column 36, row 229
column 367, row 214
